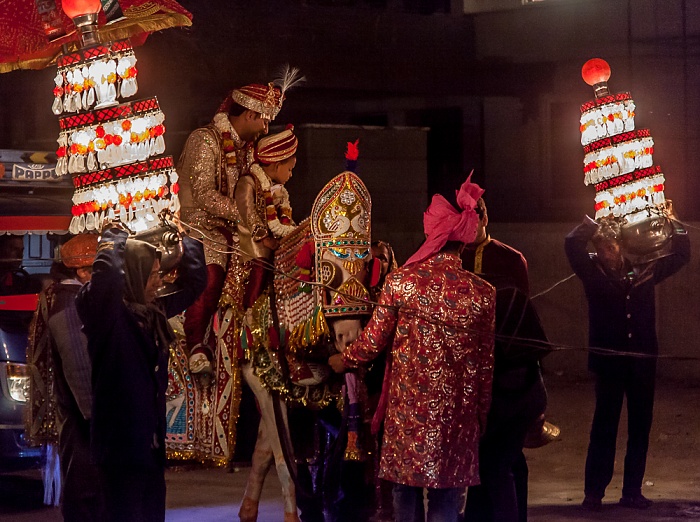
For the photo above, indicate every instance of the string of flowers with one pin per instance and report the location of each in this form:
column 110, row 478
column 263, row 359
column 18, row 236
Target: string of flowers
column 280, row 223
column 229, row 135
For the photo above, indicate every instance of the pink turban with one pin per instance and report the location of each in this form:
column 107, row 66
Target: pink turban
column 442, row 222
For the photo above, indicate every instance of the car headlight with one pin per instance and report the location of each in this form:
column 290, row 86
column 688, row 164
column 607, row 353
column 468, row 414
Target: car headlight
column 17, row 381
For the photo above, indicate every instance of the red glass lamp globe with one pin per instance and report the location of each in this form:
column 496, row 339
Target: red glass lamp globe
column 595, row 70
column 75, row 8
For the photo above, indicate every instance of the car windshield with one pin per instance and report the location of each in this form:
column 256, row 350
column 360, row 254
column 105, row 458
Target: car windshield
column 16, row 312
column 24, row 267
column 15, row 321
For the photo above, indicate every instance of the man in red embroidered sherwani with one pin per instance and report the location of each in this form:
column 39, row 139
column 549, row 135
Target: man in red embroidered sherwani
column 439, row 320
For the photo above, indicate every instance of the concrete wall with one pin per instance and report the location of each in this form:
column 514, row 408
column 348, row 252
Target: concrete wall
column 564, row 310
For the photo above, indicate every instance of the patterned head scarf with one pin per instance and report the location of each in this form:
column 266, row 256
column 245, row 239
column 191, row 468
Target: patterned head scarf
column 266, row 100
column 263, row 99
column 442, row 222
column 139, row 258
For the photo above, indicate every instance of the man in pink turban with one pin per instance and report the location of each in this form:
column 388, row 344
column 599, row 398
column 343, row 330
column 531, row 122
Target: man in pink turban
column 438, row 321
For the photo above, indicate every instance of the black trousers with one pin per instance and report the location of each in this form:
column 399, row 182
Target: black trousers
column 136, row 494
column 328, row 488
column 502, row 494
column 81, row 500
column 636, row 381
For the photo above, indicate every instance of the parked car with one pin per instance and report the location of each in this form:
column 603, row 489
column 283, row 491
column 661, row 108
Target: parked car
column 35, row 207
column 15, row 453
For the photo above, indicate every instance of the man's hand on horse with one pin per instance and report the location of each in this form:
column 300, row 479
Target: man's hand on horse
column 336, row 362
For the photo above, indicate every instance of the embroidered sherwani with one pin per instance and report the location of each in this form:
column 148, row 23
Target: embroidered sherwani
column 253, row 265
column 252, row 226
column 441, row 320
column 208, row 180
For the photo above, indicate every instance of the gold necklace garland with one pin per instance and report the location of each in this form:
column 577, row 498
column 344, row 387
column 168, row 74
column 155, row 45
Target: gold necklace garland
column 280, row 226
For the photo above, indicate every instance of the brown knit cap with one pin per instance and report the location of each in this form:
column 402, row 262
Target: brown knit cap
column 79, row 251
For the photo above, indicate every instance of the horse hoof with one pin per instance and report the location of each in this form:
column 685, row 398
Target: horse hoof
column 249, row 510
column 199, row 363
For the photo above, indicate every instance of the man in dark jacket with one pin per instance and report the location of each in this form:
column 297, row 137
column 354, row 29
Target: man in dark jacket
column 519, row 396
column 501, row 265
column 58, row 351
column 128, row 341
column 621, row 318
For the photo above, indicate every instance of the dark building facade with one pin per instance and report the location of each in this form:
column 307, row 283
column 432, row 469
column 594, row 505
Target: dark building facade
column 496, row 83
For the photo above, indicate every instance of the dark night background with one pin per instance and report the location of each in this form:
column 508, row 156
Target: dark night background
column 434, row 89
column 499, row 89
column 489, row 85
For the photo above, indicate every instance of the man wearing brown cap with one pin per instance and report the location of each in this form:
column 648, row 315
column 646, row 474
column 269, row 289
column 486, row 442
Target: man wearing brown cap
column 56, row 334
column 213, row 160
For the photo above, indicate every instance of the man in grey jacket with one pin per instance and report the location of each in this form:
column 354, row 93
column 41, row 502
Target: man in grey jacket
column 57, row 325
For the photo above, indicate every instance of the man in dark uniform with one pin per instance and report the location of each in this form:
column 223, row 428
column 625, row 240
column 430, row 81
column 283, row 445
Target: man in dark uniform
column 56, row 334
column 519, row 396
column 499, row 264
column 621, row 318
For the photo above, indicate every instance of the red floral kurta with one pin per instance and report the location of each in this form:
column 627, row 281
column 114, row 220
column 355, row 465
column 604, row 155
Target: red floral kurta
column 441, row 319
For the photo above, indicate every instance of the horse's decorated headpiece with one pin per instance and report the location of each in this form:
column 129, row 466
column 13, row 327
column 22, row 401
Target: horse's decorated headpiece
column 340, row 222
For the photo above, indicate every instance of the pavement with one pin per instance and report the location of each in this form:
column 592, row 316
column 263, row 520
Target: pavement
column 672, row 479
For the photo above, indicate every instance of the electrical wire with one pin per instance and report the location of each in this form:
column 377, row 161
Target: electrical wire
column 418, row 313
column 552, row 287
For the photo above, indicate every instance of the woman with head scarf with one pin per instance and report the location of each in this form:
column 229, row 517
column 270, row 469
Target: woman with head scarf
column 128, row 341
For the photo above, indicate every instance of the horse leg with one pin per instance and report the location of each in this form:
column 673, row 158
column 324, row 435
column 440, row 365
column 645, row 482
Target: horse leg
column 262, row 461
column 288, row 486
column 269, row 427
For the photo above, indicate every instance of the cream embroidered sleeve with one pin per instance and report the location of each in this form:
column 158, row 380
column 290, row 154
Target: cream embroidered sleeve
column 250, row 219
column 201, row 166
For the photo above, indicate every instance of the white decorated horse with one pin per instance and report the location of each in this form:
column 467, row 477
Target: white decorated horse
column 281, row 346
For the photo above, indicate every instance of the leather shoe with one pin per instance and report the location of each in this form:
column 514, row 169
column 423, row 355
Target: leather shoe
column 199, row 363
column 592, row 503
column 636, row 502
